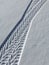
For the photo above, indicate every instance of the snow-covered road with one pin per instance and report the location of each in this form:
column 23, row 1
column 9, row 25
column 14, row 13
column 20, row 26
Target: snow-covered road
column 35, row 49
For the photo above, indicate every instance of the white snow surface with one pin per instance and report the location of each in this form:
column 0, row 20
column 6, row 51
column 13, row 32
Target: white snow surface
column 36, row 51
column 11, row 12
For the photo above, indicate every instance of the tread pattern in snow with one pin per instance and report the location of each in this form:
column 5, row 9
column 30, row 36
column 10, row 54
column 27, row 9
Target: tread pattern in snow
column 11, row 52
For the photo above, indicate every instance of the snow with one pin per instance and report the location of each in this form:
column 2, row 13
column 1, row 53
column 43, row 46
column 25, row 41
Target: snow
column 36, row 51
column 10, row 13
